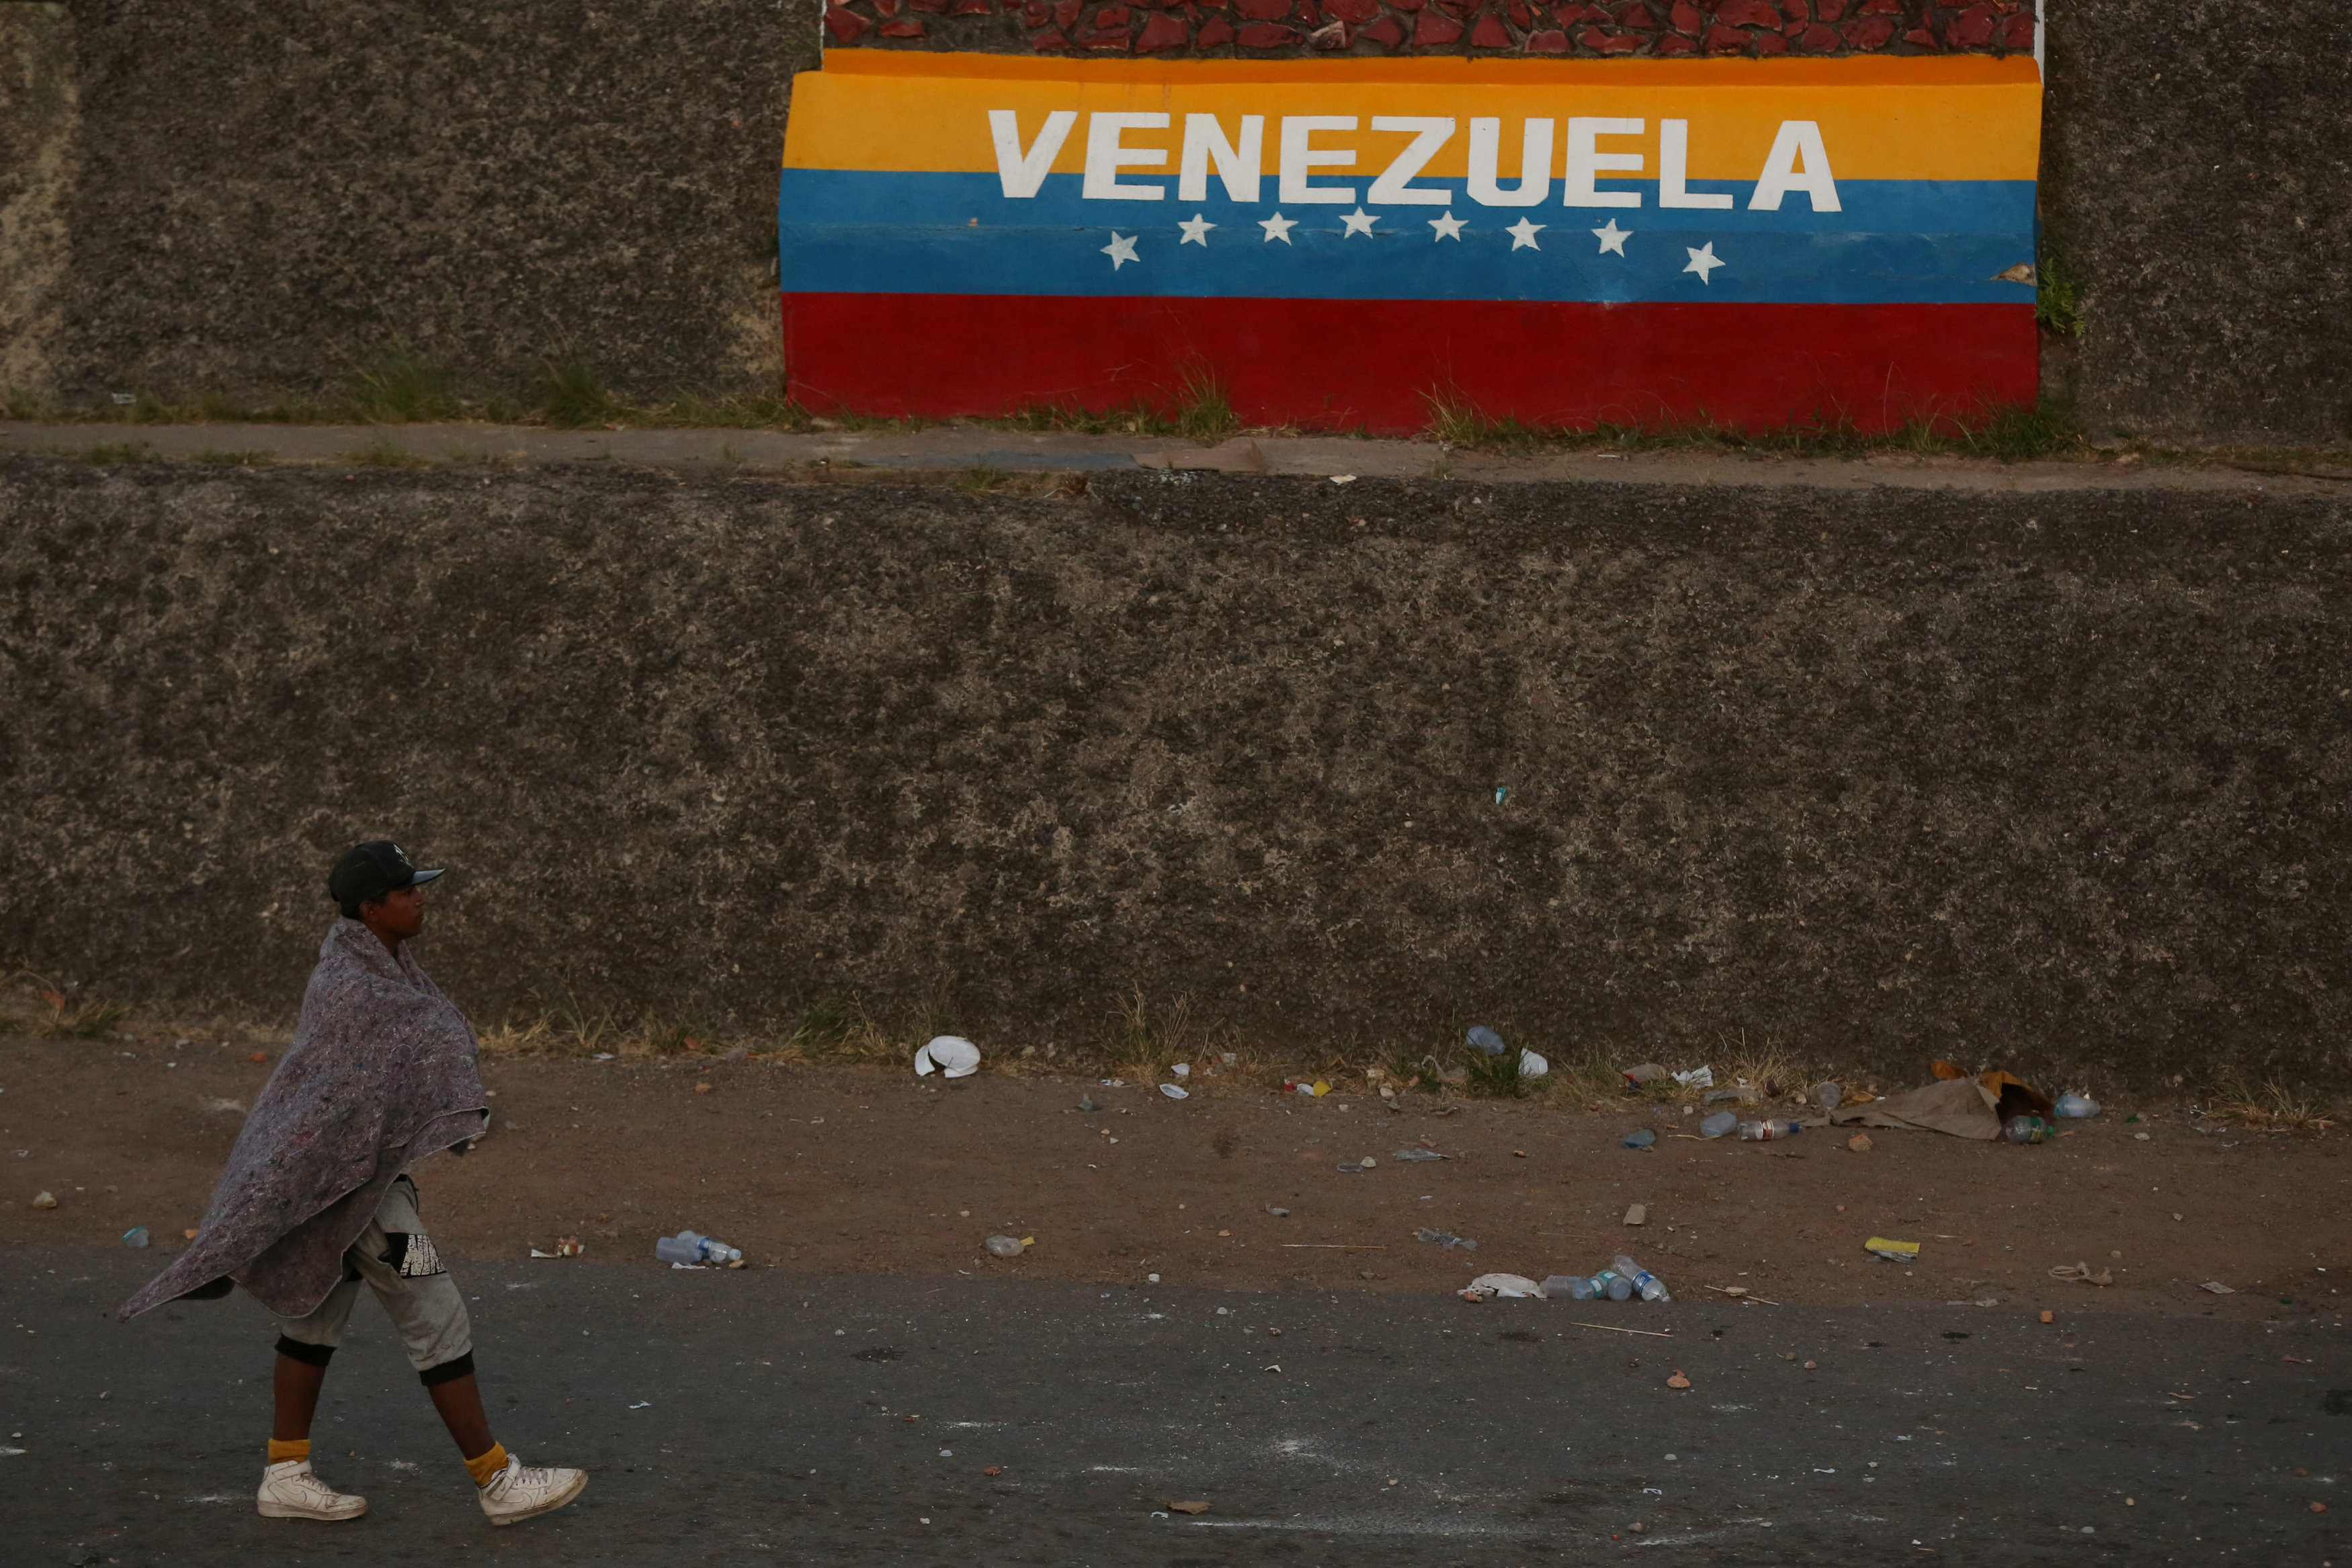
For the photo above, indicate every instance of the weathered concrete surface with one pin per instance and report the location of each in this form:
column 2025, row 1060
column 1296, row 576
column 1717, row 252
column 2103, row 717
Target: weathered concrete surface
column 255, row 194
column 780, row 1416
column 2058, row 779
column 2197, row 180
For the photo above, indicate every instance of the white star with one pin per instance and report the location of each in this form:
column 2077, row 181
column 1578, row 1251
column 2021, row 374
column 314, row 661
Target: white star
column 1197, row 231
column 1359, row 223
column 1523, row 234
column 1447, row 227
column 1121, row 250
column 1612, row 237
column 1703, row 260
column 1277, row 227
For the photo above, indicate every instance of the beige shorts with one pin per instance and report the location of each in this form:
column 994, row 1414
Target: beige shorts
column 394, row 1258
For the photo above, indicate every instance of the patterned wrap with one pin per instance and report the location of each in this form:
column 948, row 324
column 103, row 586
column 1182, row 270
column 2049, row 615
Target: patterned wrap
column 382, row 1072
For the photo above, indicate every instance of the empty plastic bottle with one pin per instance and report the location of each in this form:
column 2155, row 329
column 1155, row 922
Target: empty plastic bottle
column 1715, row 1126
column 2077, row 1106
column 1652, row 1288
column 2027, row 1130
column 1769, row 1128
column 686, row 1247
column 1004, row 1246
column 1608, row 1283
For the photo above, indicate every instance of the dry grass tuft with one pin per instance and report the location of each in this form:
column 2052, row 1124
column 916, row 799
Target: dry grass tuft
column 2272, row 1108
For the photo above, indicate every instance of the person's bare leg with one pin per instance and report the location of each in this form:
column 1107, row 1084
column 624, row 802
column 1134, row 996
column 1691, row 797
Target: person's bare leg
column 296, row 1386
column 459, row 1403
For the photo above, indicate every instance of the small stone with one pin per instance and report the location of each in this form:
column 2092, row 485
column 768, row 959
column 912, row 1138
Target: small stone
column 699, row 1088
column 2048, row 1317
column 1549, row 42
column 44, row 1200
column 1678, row 1380
column 1859, row 1143
column 1637, row 1214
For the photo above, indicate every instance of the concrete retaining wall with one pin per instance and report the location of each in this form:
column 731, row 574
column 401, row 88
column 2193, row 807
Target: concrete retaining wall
column 2052, row 779
column 243, row 197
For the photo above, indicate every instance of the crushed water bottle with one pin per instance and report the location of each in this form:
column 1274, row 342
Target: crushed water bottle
column 2074, row 1106
column 1652, row 1288
column 694, row 1251
column 2027, row 1130
column 1715, row 1126
column 1769, row 1128
column 1608, row 1283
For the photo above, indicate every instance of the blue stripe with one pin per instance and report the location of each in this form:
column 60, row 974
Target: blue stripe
column 1897, row 241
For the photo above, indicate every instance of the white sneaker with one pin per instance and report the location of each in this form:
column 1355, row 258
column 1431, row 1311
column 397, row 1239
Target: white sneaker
column 523, row 1492
column 289, row 1490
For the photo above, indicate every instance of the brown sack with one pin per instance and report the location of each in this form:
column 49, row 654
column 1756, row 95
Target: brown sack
column 1963, row 1107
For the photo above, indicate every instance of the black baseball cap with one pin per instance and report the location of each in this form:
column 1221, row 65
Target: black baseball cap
column 369, row 871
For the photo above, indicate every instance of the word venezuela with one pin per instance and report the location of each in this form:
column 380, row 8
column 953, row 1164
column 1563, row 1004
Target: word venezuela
column 1347, row 243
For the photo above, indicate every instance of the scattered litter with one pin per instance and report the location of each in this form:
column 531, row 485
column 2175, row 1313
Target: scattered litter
column 1640, row 1139
column 1955, row 1104
column 1740, row 1094
column 2027, row 1130
column 1416, row 1155
column 1637, row 1214
column 1742, row 1293
column 1532, row 1066
column 600, row 1056
column 218, row 1107
column 1501, row 793
column 44, row 1200
column 2082, row 1272
column 1510, row 1287
column 1769, row 1128
column 1173, row 1506
column 1278, row 1211
column 1182, row 1069
column 2142, row 1137
column 738, row 1054
column 1010, row 1246
column 1086, row 1102
column 951, row 1054
column 537, row 1253
column 1697, row 1078
column 1355, row 1167
column 1445, row 1239
column 2048, row 1317
column 1643, row 1072
column 135, row 1238
column 1828, row 1095
column 1678, row 1380
column 1613, row 1328
column 1715, row 1126
column 1486, row 1039
column 2217, row 1288
column 692, row 1250
column 570, row 1247
column 1893, row 1251
column 1113, row 1083
column 1859, row 1143
column 1315, row 1090
column 1173, row 1093
column 643, row 1405
column 258, row 1056
column 1606, row 1286
column 2076, row 1105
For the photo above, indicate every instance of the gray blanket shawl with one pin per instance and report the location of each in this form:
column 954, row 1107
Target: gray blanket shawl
column 382, row 1072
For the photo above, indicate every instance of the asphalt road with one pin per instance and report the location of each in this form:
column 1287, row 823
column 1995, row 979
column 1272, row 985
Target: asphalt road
column 766, row 1417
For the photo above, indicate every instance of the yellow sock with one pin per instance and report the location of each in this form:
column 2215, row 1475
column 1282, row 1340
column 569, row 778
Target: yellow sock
column 485, row 1466
column 282, row 1450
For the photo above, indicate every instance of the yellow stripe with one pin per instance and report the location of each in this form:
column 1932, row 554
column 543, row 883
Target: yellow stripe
column 1967, row 117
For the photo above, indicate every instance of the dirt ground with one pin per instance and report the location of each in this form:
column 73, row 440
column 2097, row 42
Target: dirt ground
column 859, row 1171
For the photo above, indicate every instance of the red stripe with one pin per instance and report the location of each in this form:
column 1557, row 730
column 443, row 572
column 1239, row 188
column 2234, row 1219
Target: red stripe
column 1341, row 364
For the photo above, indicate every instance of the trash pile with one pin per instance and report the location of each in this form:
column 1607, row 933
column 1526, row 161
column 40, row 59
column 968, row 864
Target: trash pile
column 1620, row 1282
column 1986, row 1105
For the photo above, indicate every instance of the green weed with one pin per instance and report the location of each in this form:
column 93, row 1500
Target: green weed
column 982, row 478
column 118, row 452
column 392, row 386
column 233, row 459
column 1204, row 413
column 2058, row 299
column 573, row 397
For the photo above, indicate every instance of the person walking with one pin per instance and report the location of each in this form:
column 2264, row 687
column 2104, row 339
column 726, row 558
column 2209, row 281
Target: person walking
column 317, row 1201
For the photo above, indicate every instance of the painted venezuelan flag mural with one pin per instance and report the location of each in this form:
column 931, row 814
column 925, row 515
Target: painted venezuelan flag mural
column 1335, row 242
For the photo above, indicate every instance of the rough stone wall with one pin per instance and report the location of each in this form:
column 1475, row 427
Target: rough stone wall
column 262, row 192
column 2196, row 180
column 1271, row 29
column 2053, row 780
